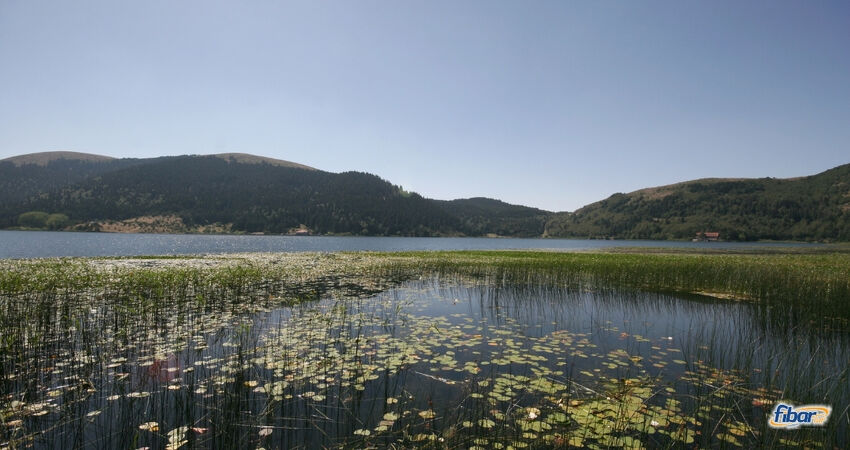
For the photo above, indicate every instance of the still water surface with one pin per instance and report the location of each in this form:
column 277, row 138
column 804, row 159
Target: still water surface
column 442, row 361
column 41, row 244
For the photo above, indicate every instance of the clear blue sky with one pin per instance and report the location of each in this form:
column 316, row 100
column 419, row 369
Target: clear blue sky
column 552, row 104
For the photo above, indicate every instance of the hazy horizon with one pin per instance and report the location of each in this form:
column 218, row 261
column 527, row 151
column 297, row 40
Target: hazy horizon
column 552, row 106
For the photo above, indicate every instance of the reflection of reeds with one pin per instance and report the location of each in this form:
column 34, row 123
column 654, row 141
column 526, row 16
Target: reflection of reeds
column 735, row 362
column 795, row 282
column 803, row 282
column 88, row 353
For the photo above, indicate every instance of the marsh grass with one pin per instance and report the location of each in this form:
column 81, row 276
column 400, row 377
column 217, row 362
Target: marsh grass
column 326, row 350
column 793, row 284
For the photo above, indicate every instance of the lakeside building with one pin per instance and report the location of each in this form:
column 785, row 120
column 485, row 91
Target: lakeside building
column 707, row 236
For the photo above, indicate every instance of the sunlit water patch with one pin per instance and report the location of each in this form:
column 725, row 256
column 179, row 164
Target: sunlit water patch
column 440, row 362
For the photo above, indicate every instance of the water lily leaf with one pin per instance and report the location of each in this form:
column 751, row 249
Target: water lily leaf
column 176, row 444
column 177, row 434
column 149, row 426
column 422, row 437
column 558, row 417
column 486, row 423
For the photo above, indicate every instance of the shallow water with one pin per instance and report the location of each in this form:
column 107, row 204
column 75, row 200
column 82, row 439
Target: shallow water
column 42, row 244
column 446, row 361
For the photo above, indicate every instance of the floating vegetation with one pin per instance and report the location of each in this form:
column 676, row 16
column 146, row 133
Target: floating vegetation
column 445, row 350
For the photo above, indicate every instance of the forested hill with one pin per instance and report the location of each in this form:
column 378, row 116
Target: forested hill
column 25, row 176
column 236, row 193
column 809, row 208
column 482, row 216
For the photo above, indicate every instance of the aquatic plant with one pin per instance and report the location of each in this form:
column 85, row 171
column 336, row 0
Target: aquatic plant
column 443, row 349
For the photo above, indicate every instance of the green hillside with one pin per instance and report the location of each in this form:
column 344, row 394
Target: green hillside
column 480, row 216
column 245, row 192
column 808, row 208
column 25, row 176
column 237, row 192
column 45, row 158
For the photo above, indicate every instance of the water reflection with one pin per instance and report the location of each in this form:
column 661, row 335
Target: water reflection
column 43, row 244
column 446, row 360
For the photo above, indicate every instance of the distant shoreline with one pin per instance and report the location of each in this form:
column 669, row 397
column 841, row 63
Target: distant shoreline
column 338, row 235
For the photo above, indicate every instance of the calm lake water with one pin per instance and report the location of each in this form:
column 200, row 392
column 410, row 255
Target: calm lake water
column 444, row 361
column 40, row 244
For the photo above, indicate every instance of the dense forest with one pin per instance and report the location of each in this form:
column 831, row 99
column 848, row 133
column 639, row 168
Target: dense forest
column 482, row 216
column 249, row 197
column 252, row 194
column 19, row 182
column 813, row 208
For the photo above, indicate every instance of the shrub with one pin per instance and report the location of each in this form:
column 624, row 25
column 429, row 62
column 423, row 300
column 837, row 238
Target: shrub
column 56, row 221
column 33, row 219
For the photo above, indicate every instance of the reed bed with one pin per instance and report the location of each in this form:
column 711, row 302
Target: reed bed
column 795, row 282
column 340, row 350
column 819, row 280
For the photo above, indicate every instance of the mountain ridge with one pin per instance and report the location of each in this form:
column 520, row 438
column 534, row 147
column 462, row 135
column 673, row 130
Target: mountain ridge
column 240, row 192
column 237, row 193
column 44, row 158
column 813, row 207
column 247, row 158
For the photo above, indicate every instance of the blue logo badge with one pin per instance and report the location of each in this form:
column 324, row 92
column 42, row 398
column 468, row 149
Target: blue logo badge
column 789, row 417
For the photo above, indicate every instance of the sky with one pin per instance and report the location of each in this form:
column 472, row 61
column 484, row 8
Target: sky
column 551, row 104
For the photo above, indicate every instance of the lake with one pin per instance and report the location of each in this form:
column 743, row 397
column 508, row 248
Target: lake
column 41, row 244
column 446, row 361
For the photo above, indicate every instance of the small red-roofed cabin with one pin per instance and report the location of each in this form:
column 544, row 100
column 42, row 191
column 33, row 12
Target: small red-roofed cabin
column 710, row 236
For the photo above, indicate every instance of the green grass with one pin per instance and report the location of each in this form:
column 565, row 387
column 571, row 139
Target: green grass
column 78, row 335
column 813, row 282
column 816, row 285
column 823, row 278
